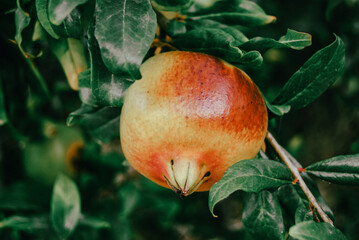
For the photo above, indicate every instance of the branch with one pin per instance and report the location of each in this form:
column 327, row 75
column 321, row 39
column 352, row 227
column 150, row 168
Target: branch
column 287, row 160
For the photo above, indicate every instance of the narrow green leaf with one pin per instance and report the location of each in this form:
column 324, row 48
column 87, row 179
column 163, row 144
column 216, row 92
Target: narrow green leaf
column 3, row 115
column 311, row 230
column 108, row 88
column 262, row 216
column 60, row 9
column 124, row 31
column 92, row 222
column 292, row 39
column 27, row 224
column 71, row 25
column 219, row 43
column 245, row 19
column 22, row 21
column 43, row 16
column 240, row 12
column 252, row 175
column 314, row 77
column 339, row 169
column 65, row 206
column 171, row 5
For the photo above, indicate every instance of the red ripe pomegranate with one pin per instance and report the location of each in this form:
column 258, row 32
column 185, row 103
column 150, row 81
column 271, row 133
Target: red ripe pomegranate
column 189, row 118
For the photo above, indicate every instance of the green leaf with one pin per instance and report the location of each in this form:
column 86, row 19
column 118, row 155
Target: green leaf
column 92, row 222
column 210, row 24
column 262, row 216
column 107, row 88
column 43, row 16
column 124, row 31
column 207, row 6
column 296, row 40
column 314, row 77
column 71, row 26
column 65, row 206
column 278, row 110
column 339, row 169
column 295, row 203
column 292, row 39
column 252, row 175
column 60, row 9
column 77, row 115
column 27, row 224
column 311, row 230
column 246, row 13
column 219, row 43
column 130, row 197
column 171, row 5
column 85, row 91
column 70, row 54
column 102, row 123
column 22, row 21
column 175, row 27
column 251, row 59
column 3, row 115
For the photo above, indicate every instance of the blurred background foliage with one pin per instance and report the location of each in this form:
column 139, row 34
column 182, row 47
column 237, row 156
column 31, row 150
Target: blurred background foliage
column 35, row 143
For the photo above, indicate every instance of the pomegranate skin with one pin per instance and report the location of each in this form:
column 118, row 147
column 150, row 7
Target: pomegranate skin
column 189, row 118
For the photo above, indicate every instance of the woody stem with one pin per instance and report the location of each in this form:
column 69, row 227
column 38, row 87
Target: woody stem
column 287, row 160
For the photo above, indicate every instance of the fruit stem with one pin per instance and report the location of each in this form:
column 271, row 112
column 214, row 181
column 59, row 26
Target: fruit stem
column 288, row 160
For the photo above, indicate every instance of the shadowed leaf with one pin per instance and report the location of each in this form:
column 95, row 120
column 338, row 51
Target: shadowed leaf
column 262, row 216
column 102, row 123
column 252, row 175
column 311, row 230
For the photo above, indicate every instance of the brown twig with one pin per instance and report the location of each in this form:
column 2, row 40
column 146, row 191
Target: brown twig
column 287, row 160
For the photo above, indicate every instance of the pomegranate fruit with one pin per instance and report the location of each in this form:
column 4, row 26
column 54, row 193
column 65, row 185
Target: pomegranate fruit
column 189, row 118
